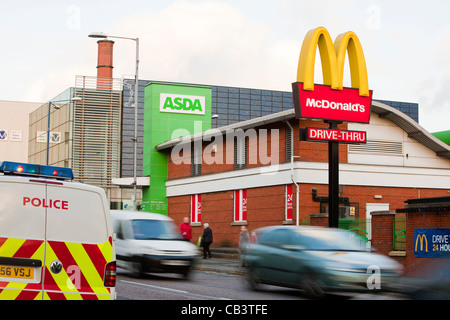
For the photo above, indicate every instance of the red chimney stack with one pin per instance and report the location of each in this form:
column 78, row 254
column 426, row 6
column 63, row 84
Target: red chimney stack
column 105, row 64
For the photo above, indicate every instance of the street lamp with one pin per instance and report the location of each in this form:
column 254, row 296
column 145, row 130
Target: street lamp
column 214, row 117
column 48, row 117
column 102, row 35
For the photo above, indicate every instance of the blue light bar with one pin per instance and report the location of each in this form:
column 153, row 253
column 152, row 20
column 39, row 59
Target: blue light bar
column 36, row 170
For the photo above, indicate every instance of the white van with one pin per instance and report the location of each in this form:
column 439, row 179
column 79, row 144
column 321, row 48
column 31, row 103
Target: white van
column 151, row 242
column 56, row 236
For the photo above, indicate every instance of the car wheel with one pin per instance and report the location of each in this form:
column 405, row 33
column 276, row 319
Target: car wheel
column 312, row 287
column 252, row 279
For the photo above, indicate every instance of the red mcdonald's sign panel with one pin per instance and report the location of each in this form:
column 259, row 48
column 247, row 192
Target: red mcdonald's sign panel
column 196, row 208
column 289, row 195
column 330, row 104
column 240, row 205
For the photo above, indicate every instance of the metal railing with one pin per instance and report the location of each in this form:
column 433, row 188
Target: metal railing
column 90, row 82
column 399, row 234
column 358, row 226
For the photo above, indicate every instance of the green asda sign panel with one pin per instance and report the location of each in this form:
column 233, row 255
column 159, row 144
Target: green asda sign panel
column 169, row 110
column 175, row 103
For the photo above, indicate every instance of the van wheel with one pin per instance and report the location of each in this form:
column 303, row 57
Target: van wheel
column 186, row 274
column 137, row 269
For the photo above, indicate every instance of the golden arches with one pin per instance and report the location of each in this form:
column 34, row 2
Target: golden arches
column 333, row 60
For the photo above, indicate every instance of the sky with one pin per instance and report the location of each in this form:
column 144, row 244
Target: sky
column 239, row 43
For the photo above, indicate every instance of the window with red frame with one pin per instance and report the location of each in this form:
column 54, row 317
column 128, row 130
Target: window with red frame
column 240, row 205
column 196, row 208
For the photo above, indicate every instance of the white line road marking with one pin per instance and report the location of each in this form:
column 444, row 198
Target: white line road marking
column 175, row 290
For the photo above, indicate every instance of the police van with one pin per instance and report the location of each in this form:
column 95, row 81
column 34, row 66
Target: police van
column 56, row 237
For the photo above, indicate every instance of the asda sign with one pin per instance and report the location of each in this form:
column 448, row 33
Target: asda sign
column 176, row 103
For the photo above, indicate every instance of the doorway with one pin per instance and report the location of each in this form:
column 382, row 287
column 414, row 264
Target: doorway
column 371, row 207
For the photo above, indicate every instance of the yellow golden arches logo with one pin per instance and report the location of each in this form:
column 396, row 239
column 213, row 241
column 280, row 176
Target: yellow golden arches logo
column 333, row 58
column 422, row 238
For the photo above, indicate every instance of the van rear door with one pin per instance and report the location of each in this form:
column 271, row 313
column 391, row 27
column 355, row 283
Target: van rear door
column 22, row 238
column 79, row 242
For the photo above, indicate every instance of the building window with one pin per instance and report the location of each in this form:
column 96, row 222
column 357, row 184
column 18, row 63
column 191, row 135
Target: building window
column 196, row 160
column 196, row 208
column 240, row 205
column 240, row 153
column 288, row 202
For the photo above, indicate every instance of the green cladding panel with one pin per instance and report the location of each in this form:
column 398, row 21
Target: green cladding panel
column 444, row 136
column 171, row 110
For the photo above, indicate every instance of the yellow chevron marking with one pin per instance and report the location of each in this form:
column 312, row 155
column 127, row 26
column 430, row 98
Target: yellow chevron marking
column 11, row 292
column 62, row 279
column 106, row 249
column 87, row 267
column 10, row 247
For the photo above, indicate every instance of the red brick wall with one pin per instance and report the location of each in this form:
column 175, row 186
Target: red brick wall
column 308, row 151
column 396, row 197
column 266, row 207
column 382, row 237
column 266, row 204
column 319, row 220
column 382, row 231
column 422, row 220
column 316, row 151
column 219, row 158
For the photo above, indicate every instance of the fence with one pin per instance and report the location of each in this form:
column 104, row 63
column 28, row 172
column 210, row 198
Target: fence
column 399, row 234
column 362, row 227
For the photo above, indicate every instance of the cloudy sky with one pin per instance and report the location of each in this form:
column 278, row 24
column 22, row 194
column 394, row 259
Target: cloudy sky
column 241, row 43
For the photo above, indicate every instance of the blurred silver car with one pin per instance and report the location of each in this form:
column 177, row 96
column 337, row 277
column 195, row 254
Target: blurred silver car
column 316, row 260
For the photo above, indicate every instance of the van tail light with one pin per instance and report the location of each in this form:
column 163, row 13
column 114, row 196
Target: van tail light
column 110, row 274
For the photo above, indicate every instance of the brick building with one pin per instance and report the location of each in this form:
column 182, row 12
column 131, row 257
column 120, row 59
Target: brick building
column 243, row 174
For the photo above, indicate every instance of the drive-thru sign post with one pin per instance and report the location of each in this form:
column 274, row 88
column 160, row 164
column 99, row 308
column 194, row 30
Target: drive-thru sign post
column 332, row 102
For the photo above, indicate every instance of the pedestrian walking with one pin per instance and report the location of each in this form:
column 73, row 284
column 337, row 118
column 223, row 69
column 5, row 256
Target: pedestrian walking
column 207, row 239
column 244, row 241
column 186, row 230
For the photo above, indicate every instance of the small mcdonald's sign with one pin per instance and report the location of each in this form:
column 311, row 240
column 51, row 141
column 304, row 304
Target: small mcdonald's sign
column 432, row 243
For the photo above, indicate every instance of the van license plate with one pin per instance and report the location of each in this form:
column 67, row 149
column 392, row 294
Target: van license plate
column 16, row 272
column 176, row 262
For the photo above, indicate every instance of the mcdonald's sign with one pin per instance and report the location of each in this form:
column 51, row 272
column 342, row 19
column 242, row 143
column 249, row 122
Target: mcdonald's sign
column 341, row 136
column 432, row 243
column 422, row 239
column 331, row 101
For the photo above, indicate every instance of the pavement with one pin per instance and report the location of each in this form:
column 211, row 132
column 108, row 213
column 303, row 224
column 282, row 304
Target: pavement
column 220, row 265
column 224, row 260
